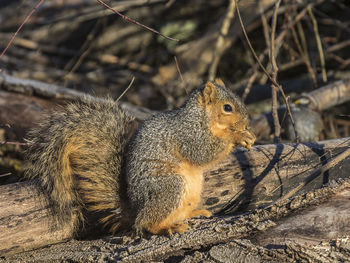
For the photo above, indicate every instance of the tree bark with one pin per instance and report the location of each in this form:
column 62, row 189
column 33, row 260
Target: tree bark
column 312, row 104
column 249, row 179
column 24, row 220
column 244, row 181
column 219, row 239
column 327, row 221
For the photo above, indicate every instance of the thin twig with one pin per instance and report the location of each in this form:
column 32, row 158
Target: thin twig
column 345, row 64
column 135, row 22
column 319, row 43
column 14, row 143
column 304, row 57
column 277, row 126
column 255, row 73
column 76, row 61
column 315, row 174
column 302, row 51
column 305, row 53
column 4, row 175
column 178, row 70
column 130, row 84
column 20, row 27
column 338, row 46
column 265, row 24
column 283, row 34
column 250, row 82
column 272, row 41
column 220, row 44
column 266, row 73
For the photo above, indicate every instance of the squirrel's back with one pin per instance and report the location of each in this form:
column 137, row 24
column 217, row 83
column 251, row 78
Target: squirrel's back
column 75, row 158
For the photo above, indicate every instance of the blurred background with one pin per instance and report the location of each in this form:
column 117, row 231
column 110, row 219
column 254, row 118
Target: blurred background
column 81, row 45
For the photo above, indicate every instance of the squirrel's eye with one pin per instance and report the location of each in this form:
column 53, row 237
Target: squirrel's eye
column 227, row 108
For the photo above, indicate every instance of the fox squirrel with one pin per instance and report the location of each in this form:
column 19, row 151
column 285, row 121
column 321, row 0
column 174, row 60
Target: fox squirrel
column 81, row 160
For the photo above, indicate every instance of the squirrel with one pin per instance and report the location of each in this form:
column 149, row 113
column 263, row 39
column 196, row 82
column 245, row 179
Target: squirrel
column 82, row 160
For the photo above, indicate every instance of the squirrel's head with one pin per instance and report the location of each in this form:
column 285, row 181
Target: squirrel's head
column 225, row 111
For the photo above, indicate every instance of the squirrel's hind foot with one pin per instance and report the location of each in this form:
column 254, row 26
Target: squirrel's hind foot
column 179, row 228
column 200, row 212
column 169, row 230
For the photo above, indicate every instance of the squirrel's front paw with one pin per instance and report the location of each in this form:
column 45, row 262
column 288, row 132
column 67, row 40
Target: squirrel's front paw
column 247, row 139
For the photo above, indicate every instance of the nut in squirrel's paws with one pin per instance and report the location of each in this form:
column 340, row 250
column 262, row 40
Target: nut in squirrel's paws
column 247, row 139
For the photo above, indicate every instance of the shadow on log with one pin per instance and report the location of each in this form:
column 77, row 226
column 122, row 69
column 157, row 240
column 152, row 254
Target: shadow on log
column 219, row 239
column 244, row 181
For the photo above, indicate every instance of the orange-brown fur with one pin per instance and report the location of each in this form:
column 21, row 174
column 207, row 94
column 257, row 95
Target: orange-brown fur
column 193, row 176
column 191, row 198
column 76, row 158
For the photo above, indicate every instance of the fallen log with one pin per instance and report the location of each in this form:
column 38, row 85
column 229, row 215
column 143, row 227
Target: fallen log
column 249, row 179
column 327, row 221
column 327, row 96
column 305, row 111
column 16, row 107
column 25, row 221
column 200, row 243
column 244, row 181
column 19, row 87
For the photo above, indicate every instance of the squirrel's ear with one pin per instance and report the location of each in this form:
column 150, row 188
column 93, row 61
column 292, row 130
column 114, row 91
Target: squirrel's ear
column 209, row 93
column 219, row 82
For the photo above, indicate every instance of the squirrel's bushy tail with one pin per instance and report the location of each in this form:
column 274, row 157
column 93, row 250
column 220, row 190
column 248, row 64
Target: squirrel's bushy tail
column 76, row 156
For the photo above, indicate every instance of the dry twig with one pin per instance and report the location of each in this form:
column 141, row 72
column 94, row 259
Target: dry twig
column 304, row 52
column 220, row 44
column 266, row 73
column 19, row 28
column 319, row 43
column 134, row 21
column 277, row 126
column 125, row 91
column 180, row 74
column 278, row 40
column 14, row 143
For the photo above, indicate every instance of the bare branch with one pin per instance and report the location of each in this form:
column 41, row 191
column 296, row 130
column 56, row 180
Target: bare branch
column 135, row 22
column 277, row 126
column 20, row 27
column 220, row 44
column 126, row 90
column 266, row 73
column 319, row 43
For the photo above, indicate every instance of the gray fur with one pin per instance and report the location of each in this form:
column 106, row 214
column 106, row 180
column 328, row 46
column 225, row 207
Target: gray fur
column 150, row 154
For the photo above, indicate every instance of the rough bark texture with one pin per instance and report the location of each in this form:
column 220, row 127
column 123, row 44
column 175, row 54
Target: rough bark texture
column 218, row 239
column 249, row 179
column 24, row 220
column 327, row 221
column 246, row 180
column 328, row 96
